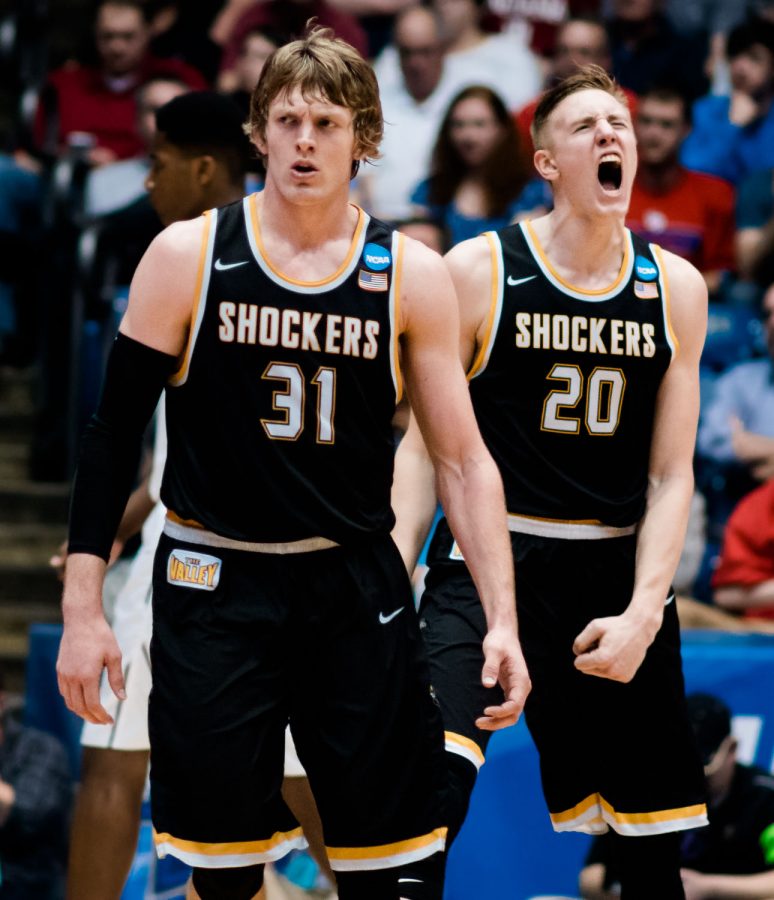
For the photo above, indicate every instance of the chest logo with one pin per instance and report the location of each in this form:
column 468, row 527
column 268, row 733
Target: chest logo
column 645, row 269
column 193, row 570
column 376, row 258
column 514, row 281
column 222, row 267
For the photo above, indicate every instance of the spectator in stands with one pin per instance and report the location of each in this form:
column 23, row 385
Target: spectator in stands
column 743, row 581
column 116, row 185
column 257, row 45
column 35, row 802
column 580, row 41
column 199, row 159
column 99, row 102
column 733, row 135
column 287, row 17
column 481, row 178
column 688, row 213
column 501, row 62
column 737, row 426
column 733, row 856
column 414, row 100
column 647, row 51
column 755, row 225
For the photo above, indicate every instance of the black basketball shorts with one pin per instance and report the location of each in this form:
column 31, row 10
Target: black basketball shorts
column 244, row 642
column 611, row 754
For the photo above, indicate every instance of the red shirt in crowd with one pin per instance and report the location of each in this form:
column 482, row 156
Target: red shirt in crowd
column 87, row 101
column 747, row 557
column 695, row 219
column 290, row 19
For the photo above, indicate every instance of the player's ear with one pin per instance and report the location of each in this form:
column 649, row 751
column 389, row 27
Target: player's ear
column 259, row 140
column 546, row 165
column 204, row 169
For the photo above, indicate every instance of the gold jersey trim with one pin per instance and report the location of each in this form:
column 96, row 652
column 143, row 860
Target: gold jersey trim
column 572, row 529
column 200, row 295
column 231, row 853
column 348, row 859
column 462, row 746
column 606, row 293
column 495, row 305
column 341, row 272
column 195, row 535
column 398, row 245
column 594, row 815
column 666, row 300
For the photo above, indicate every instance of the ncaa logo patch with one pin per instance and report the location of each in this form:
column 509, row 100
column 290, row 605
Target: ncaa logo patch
column 645, row 268
column 193, row 570
column 376, row 258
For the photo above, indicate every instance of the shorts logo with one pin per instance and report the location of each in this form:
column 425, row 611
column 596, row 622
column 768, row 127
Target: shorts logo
column 646, row 269
column 456, row 553
column 383, row 620
column 376, row 258
column 198, row 570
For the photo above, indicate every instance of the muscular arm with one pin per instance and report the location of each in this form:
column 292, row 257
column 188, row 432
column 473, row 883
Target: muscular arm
column 466, row 478
column 160, row 303
column 615, row 647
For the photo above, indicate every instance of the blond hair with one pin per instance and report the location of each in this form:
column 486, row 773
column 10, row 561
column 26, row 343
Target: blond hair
column 588, row 78
column 322, row 65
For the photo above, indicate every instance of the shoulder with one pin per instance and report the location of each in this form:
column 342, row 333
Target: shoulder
column 471, row 259
column 688, row 301
column 181, row 241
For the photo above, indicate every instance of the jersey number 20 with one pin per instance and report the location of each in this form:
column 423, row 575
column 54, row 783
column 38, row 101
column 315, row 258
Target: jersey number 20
column 604, row 391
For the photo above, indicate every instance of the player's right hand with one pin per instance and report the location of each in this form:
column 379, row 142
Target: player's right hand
column 88, row 646
column 504, row 662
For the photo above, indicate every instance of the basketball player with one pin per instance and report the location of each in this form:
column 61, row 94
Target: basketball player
column 200, row 157
column 283, row 327
column 581, row 343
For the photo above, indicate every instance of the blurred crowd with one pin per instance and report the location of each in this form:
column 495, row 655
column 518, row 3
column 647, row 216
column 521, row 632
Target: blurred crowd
column 459, row 82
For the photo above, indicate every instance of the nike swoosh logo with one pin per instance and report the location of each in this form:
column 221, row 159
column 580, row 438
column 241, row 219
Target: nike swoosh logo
column 383, row 620
column 406, row 880
column 514, row 281
column 221, row 266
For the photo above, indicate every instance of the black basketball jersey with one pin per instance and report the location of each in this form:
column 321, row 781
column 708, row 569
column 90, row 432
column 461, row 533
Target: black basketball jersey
column 565, row 384
column 279, row 419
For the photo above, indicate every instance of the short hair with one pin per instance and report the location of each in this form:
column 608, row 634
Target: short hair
column 322, row 65
column 666, row 94
column 138, row 5
column 587, row 78
column 205, row 123
column 747, row 34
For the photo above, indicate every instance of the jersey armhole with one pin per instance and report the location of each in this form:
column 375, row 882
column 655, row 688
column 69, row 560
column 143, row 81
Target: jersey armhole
column 495, row 305
column 666, row 300
column 200, row 296
column 398, row 243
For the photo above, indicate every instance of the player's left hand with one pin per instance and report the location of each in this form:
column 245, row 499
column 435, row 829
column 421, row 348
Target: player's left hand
column 696, row 885
column 612, row 647
column 504, row 662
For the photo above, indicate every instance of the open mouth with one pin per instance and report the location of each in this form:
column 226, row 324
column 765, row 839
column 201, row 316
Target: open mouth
column 303, row 169
column 609, row 173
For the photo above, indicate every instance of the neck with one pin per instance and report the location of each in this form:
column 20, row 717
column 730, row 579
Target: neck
column 306, row 225
column 466, row 40
column 659, row 177
column 603, row 239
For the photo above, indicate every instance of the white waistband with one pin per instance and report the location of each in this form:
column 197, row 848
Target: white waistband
column 562, row 528
column 210, row 539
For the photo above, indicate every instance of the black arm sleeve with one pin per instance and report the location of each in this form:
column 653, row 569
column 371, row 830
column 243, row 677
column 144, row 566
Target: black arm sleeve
column 111, row 445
